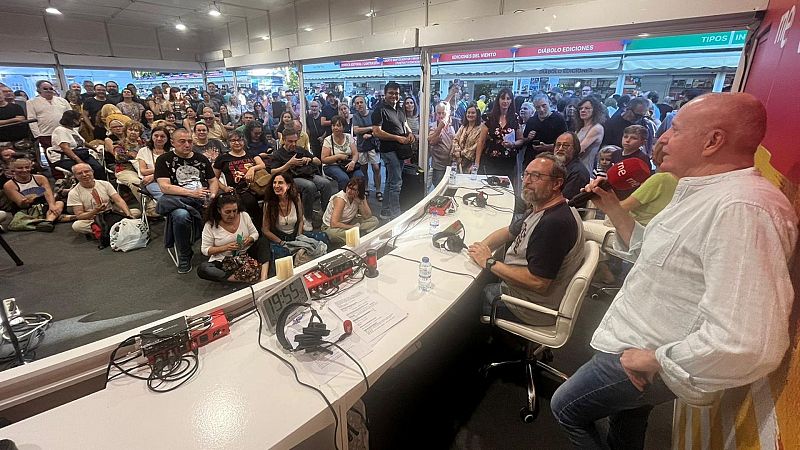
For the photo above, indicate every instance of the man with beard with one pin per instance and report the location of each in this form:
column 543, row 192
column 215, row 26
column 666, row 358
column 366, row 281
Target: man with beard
column 566, row 147
column 545, row 251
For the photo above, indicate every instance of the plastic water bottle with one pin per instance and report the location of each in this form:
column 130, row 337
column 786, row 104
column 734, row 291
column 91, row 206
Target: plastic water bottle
column 453, row 170
column 425, row 274
column 473, row 174
column 434, row 223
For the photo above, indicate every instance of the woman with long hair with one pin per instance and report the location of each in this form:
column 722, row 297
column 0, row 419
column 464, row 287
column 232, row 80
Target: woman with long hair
column 500, row 137
column 148, row 122
column 230, row 240
column 412, row 117
column 260, row 112
column 570, row 108
column 177, row 103
column 157, row 145
column 225, row 119
column 289, row 120
column 347, row 209
column 158, row 104
column 191, row 118
column 239, row 169
column 591, row 115
column 256, row 140
column 344, row 113
column 210, row 148
column 465, row 143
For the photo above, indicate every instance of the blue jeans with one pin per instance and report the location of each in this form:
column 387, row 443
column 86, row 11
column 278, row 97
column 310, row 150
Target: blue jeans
column 309, row 187
column 438, row 174
column 490, row 292
column 600, row 388
column 181, row 222
column 337, row 173
column 155, row 190
column 394, row 182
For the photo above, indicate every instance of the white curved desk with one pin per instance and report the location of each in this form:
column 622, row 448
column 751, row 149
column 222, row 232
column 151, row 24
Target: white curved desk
column 242, row 397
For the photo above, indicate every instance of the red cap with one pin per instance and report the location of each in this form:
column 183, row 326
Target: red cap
column 628, row 174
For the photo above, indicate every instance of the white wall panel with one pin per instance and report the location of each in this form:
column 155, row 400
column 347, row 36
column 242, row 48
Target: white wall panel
column 189, row 42
column 22, row 33
column 445, row 11
column 143, row 46
column 509, row 6
column 239, row 38
column 397, row 14
column 216, row 39
column 257, row 26
column 348, row 11
column 283, row 22
column 78, row 36
column 316, row 36
column 351, row 30
column 284, row 42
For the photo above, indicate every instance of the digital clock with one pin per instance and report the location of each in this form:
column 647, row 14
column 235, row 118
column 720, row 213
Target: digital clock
column 273, row 302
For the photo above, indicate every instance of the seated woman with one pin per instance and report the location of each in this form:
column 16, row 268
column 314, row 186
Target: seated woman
column 256, row 139
column 146, row 157
column 210, row 148
column 339, row 154
column 68, row 147
column 125, row 152
column 347, row 209
column 289, row 120
column 239, row 170
column 228, row 240
column 283, row 216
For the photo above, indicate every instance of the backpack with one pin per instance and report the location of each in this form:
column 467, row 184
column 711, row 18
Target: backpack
column 129, row 234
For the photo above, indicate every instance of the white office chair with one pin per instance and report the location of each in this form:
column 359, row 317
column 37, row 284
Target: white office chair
column 543, row 338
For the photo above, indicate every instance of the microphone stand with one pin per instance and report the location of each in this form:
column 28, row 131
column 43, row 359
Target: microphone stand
column 14, row 341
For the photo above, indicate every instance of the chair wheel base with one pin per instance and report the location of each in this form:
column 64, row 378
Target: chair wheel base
column 528, row 416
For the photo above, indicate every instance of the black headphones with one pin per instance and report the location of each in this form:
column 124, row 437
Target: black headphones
column 451, row 239
column 497, row 181
column 478, row 199
column 311, row 339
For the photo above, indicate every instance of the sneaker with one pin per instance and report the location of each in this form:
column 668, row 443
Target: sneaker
column 307, row 226
column 379, row 196
column 184, row 266
column 46, row 227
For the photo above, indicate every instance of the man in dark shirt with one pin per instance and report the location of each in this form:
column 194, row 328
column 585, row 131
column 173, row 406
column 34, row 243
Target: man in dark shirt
column 304, row 167
column 632, row 115
column 314, row 128
column 195, row 101
column 545, row 251
column 187, row 180
column 542, row 128
column 10, row 113
column 566, row 147
column 329, row 109
column 92, row 106
column 88, row 87
column 389, row 125
column 112, row 92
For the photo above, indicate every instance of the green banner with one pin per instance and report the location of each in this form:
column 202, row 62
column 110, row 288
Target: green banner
column 690, row 41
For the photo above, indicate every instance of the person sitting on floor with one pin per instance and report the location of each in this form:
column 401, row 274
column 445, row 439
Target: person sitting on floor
column 91, row 197
column 283, row 220
column 32, row 195
column 347, row 209
column 546, row 247
column 229, row 240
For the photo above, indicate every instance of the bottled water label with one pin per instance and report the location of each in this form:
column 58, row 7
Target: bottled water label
column 425, row 275
column 434, row 223
column 473, row 174
column 453, row 170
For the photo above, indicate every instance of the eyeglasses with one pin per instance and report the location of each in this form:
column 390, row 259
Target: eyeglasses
column 562, row 145
column 47, row 89
column 536, row 176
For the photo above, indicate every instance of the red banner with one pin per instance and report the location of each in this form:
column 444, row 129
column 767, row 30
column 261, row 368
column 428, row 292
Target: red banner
column 570, row 49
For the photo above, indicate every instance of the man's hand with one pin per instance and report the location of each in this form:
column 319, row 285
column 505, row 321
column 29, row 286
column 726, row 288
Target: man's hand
column 641, row 366
column 147, row 179
column 605, row 200
column 294, row 162
column 306, row 160
column 411, row 138
column 480, row 252
column 351, row 166
column 199, row 193
column 100, row 208
column 56, row 209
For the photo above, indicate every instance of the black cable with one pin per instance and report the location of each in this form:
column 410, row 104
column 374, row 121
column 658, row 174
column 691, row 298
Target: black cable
column 294, row 371
column 435, row 267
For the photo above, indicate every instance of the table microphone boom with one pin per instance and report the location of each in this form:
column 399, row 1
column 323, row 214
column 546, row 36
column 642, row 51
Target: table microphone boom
column 627, row 174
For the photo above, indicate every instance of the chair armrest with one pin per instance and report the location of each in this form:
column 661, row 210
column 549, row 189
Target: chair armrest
column 528, row 305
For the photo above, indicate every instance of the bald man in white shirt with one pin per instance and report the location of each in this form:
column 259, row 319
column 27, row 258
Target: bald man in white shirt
column 706, row 306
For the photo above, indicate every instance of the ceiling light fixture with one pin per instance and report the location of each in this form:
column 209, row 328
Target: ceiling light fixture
column 264, row 38
column 180, row 26
column 517, row 45
column 308, row 29
column 54, row 11
column 371, row 13
column 644, row 35
column 517, row 11
column 214, row 10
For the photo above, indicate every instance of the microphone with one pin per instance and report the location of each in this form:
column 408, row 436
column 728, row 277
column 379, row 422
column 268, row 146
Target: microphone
column 627, row 174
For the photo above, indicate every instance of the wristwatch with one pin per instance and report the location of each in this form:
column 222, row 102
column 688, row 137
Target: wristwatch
column 490, row 263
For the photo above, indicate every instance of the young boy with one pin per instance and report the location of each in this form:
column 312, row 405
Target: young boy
column 633, row 138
